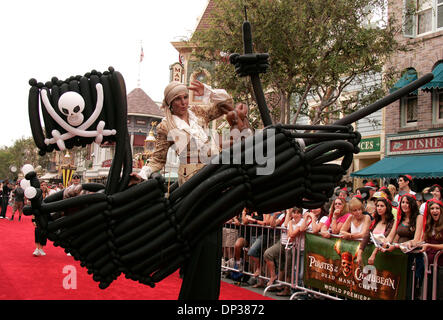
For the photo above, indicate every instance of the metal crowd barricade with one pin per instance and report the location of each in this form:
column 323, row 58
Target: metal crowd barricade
column 296, row 284
column 435, row 275
column 430, row 268
column 303, row 289
column 295, row 281
column 425, row 278
column 272, row 237
column 252, row 232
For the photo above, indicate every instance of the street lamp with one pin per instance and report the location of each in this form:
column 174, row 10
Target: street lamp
column 150, row 139
column 148, row 146
column 13, row 169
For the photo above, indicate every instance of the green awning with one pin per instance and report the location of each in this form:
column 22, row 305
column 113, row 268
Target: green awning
column 423, row 166
column 409, row 76
column 437, row 82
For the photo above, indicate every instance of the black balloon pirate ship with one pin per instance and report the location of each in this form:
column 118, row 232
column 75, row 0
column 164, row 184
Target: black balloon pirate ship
column 145, row 233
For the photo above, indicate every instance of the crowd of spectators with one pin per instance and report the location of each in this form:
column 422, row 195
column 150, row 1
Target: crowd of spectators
column 13, row 195
column 396, row 215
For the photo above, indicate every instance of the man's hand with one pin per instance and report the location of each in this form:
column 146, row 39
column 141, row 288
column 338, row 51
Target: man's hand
column 325, row 234
column 238, row 118
column 134, row 179
column 197, row 87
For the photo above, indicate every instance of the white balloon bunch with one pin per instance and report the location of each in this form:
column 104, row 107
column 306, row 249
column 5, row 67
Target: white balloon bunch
column 30, row 192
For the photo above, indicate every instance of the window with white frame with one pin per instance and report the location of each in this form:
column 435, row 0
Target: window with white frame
column 409, row 114
column 422, row 17
column 437, row 105
column 439, row 14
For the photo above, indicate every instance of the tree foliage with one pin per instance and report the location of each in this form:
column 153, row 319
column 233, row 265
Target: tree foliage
column 318, row 49
column 22, row 152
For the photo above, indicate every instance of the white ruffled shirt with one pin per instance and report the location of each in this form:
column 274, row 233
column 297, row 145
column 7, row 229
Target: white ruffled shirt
column 195, row 131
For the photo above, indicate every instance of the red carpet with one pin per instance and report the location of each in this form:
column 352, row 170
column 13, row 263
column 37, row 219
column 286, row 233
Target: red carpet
column 25, row 277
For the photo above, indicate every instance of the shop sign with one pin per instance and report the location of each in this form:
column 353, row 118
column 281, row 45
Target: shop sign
column 424, row 143
column 369, row 144
column 176, row 72
column 107, row 163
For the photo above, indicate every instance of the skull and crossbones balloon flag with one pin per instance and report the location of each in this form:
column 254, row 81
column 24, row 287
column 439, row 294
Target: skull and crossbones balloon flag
column 74, row 111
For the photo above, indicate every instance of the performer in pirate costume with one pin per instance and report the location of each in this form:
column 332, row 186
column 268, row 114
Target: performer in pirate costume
column 185, row 128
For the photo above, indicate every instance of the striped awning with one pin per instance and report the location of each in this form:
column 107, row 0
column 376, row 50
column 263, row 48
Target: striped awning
column 437, row 82
column 409, row 76
column 422, row 166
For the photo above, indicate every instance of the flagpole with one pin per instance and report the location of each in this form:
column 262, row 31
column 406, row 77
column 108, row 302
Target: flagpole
column 140, row 63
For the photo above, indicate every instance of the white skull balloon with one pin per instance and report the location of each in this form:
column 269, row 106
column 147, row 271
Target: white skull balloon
column 72, row 105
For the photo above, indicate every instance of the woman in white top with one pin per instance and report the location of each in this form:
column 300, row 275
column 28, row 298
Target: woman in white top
column 313, row 220
column 357, row 224
column 338, row 213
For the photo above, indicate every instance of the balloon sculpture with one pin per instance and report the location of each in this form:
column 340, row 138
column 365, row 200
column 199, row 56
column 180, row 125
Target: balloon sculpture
column 138, row 230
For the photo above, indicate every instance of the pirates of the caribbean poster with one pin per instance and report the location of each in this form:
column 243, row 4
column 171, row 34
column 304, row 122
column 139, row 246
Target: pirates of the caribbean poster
column 330, row 266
